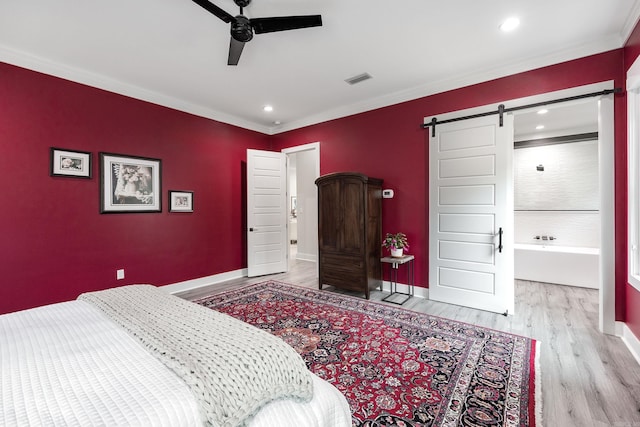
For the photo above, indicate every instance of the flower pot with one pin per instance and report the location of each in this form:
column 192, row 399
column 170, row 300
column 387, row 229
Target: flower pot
column 397, row 252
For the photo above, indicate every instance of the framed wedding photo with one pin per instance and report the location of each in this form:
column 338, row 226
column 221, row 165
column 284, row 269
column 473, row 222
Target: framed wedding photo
column 180, row 201
column 129, row 184
column 71, row 163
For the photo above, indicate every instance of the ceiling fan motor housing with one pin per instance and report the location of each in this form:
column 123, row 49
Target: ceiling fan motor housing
column 241, row 29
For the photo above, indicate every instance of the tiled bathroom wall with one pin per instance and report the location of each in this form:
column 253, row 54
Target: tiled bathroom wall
column 556, row 194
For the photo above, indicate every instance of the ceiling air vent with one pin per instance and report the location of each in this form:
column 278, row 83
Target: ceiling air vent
column 359, row 78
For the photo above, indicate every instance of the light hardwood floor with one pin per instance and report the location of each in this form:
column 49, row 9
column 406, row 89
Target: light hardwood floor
column 588, row 379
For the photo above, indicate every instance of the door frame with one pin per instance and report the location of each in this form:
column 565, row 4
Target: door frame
column 607, row 183
column 313, row 147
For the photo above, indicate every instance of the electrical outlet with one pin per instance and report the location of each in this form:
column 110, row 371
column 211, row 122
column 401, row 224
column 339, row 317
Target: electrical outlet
column 120, row 274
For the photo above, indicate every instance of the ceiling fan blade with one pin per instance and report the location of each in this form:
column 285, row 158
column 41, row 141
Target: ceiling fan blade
column 235, row 50
column 284, row 23
column 220, row 13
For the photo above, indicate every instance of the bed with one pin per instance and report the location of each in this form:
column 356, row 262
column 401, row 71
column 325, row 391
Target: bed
column 73, row 363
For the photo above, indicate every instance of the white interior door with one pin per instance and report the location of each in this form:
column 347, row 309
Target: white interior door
column 266, row 212
column 471, row 214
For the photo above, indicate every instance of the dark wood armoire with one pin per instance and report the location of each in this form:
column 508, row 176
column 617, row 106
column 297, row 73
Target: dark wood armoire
column 350, row 231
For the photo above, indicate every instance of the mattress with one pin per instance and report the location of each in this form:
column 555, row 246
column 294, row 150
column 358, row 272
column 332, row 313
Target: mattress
column 67, row 364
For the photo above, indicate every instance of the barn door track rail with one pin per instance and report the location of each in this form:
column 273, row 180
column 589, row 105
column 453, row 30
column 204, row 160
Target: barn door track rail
column 502, row 109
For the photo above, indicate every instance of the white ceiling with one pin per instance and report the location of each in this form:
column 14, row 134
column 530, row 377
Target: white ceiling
column 174, row 53
column 567, row 118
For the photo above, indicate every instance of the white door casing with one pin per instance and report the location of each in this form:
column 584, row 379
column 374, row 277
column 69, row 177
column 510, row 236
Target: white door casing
column 471, row 213
column 266, row 213
column 308, row 170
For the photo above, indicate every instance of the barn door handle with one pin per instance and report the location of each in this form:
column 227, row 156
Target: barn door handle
column 500, row 240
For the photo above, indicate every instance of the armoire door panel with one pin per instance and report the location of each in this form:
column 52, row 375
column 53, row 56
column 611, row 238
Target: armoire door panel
column 329, row 216
column 353, row 218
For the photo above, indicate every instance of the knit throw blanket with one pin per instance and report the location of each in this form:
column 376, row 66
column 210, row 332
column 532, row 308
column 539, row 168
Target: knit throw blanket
column 232, row 368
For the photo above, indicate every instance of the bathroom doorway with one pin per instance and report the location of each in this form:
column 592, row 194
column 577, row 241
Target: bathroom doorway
column 556, row 194
column 606, row 161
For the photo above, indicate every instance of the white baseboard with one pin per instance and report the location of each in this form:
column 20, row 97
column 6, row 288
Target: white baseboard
column 200, row 282
column 188, row 285
column 401, row 287
column 306, row 257
column 631, row 341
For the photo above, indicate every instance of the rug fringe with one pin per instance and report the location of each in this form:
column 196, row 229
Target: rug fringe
column 538, row 387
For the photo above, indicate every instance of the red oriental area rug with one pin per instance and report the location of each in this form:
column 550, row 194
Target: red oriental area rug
column 397, row 367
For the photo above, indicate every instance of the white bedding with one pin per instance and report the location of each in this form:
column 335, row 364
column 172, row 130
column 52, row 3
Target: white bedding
column 67, row 364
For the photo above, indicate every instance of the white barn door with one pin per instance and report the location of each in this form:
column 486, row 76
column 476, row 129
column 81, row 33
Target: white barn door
column 471, row 214
column 266, row 213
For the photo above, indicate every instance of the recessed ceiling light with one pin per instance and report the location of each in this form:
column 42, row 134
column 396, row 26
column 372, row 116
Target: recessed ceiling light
column 277, row 122
column 268, row 108
column 539, row 127
column 543, row 111
column 510, row 24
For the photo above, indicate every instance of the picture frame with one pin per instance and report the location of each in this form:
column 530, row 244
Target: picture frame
column 70, row 163
column 180, row 201
column 130, row 184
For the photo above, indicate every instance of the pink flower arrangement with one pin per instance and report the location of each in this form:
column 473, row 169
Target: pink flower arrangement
column 395, row 241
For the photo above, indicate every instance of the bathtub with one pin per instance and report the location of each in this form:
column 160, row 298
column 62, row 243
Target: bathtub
column 557, row 264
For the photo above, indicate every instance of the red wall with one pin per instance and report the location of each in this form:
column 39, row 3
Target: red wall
column 55, row 243
column 388, row 143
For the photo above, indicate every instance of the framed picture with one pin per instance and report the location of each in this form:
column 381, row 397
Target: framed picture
column 180, row 201
column 70, row 163
column 129, row 184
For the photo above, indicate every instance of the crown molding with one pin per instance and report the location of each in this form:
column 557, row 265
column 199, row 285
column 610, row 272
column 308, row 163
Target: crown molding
column 99, row 81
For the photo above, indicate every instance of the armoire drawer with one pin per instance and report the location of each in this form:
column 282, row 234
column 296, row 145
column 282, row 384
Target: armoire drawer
column 342, row 262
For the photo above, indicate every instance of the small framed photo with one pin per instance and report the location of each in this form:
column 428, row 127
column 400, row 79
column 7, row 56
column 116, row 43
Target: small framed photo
column 180, row 201
column 70, row 163
column 129, row 184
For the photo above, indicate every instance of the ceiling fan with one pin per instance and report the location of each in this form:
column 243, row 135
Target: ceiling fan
column 242, row 28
